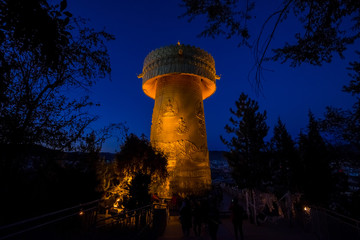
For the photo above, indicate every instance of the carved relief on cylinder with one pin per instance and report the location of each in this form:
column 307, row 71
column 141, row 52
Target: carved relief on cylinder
column 182, row 127
column 159, row 126
column 199, row 113
column 199, row 110
column 179, row 78
column 170, row 109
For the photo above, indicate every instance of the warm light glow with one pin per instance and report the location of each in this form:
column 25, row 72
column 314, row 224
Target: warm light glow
column 208, row 87
column 117, row 207
column 307, row 209
column 179, row 78
column 81, row 213
column 114, row 195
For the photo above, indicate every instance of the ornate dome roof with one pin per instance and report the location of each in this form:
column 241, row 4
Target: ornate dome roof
column 178, row 59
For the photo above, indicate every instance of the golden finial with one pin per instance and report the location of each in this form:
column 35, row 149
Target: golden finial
column 178, row 43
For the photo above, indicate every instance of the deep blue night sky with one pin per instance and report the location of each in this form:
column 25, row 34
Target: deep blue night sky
column 141, row 26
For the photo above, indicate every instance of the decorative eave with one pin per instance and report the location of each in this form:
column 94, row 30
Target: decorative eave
column 181, row 59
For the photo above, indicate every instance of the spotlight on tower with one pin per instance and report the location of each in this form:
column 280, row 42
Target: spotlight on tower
column 179, row 77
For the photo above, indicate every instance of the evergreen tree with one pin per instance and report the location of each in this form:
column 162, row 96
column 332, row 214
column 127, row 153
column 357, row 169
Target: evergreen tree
column 316, row 160
column 286, row 166
column 354, row 86
column 246, row 156
column 344, row 125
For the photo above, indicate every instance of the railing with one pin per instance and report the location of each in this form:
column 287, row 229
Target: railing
column 329, row 225
column 84, row 215
column 148, row 220
column 130, row 218
column 80, row 221
column 325, row 224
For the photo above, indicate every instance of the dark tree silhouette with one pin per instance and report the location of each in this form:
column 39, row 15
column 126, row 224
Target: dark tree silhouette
column 354, row 85
column 343, row 128
column 139, row 188
column 344, row 125
column 246, row 145
column 287, row 169
column 136, row 158
column 223, row 17
column 247, row 149
column 45, row 55
column 318, row 182
column 137, row 155
column 47, row 59
column 323, row 32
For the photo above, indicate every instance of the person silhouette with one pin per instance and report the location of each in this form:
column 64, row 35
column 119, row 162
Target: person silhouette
column 185, row 217
column 237, row 215
column 197, row 217
column 213, row 219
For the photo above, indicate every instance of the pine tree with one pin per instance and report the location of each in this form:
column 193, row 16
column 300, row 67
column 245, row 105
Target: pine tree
column 247, row 147
column 344, row 125
column 316, row 160
column 248, row 130
column 287, row 169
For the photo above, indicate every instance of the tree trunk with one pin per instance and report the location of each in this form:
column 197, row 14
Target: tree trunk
column 254, row 205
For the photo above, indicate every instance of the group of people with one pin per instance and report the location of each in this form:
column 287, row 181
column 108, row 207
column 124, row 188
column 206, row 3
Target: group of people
column 195, row 213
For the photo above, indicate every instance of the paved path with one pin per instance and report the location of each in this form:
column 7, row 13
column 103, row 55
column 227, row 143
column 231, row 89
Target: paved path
column 251, row 232
column 279, row 231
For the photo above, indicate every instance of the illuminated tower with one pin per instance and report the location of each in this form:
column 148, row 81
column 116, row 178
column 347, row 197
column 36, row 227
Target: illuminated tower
column 179, row 78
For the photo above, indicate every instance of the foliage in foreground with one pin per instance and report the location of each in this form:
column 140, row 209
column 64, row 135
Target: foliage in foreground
column 323, row 31
column 47, row 59
column 311, row 166
column 35, row 180
column 137, row 168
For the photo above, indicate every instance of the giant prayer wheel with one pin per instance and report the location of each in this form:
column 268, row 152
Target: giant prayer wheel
column 179, row 77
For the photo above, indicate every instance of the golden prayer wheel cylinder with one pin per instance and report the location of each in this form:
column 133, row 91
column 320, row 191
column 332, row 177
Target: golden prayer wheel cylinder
column 179, row 78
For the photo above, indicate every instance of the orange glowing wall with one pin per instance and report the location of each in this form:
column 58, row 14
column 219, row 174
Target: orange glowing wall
column 179, row 78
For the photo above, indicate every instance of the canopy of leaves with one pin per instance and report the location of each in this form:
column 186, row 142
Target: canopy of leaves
column 354, row 85
column 328, row 27
column 139, row 188
column 136, row 157
column 35, row 25
column 223, row 17
column 344, row 125
column 46, row 57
